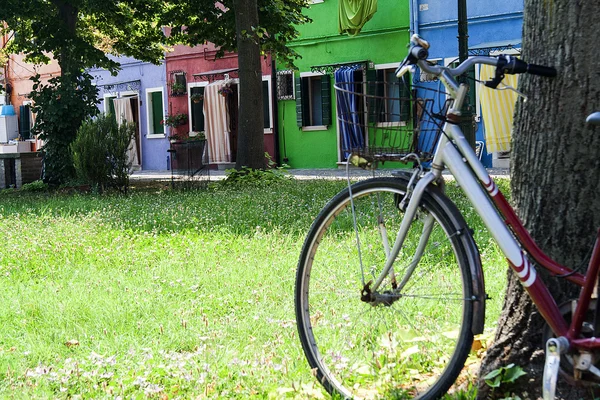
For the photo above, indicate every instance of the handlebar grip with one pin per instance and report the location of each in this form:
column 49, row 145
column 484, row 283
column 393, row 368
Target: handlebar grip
column 541, row 70
column 515, row 65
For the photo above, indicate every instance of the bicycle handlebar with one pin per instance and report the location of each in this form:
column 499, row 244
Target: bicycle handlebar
column 505, row 64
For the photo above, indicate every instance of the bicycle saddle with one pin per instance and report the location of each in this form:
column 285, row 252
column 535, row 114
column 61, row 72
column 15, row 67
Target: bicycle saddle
column 593, row 118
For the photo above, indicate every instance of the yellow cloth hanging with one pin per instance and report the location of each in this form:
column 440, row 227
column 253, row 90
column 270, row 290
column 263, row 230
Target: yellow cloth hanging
column 354, row 14
column 497, row 110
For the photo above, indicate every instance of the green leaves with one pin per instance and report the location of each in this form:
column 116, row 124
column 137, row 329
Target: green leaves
column 197, row 21
column 504, row 375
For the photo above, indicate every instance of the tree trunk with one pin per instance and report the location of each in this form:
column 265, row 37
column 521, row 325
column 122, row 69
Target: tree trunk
column 555, row 173
column 250, row 121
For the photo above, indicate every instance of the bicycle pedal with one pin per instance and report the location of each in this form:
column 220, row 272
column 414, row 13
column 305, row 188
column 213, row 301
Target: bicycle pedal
column 554, row 348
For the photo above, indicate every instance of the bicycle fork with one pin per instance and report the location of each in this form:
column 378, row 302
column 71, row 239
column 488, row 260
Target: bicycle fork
column 409, row 215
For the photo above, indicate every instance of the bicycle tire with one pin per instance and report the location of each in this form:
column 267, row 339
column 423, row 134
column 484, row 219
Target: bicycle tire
column 351, row 352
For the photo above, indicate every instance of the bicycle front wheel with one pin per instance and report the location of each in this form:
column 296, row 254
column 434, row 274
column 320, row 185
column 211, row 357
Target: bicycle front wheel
column 410, row 337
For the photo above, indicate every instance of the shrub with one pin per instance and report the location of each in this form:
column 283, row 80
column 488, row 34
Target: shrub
column 36, row 186
column 100, row 153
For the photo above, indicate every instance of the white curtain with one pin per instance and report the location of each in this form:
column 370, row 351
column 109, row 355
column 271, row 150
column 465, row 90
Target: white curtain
column 216, row 123
column 124, row 113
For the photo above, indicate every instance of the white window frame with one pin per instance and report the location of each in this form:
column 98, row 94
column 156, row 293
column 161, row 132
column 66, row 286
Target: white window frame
column 287, row 73
column 312, row 128
column 269, row 98
column 105, row 99
column 150, row 134
column 191, row 85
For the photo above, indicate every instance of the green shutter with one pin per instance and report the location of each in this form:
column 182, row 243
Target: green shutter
column 157, row 113
column 326, row 99
column 405, row 96
column 374, row 86
column 111, row 107
column 299, row 108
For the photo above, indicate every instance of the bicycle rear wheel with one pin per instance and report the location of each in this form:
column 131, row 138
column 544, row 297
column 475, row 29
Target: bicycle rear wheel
column 411, row 344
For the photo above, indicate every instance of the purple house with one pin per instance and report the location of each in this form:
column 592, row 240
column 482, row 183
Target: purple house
column 138, row 94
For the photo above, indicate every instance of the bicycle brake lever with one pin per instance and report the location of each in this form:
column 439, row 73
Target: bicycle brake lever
column 519, row 93
column 401, row 71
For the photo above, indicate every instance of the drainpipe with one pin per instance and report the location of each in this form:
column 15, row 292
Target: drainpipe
column 414, row 17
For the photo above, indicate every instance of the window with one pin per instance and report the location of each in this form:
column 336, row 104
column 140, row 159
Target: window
column 267, row 106
column 285, row 85
column 313, row 101
column 392, row 96
column 178, row 83
column 197, row 108
column 155, row 112
column 109, row 106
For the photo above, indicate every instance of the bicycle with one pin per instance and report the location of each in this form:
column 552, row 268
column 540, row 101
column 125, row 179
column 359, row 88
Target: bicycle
column 389, row 287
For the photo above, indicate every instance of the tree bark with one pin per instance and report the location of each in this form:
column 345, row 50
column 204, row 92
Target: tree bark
column 555, row 173
column 250, row 121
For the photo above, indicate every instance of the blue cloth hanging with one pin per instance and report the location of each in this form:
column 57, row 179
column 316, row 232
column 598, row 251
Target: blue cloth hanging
column 348, row 101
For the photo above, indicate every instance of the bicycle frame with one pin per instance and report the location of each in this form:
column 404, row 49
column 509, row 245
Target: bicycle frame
column 454, row 152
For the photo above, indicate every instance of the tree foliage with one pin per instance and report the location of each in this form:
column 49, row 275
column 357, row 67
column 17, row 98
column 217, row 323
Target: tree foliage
column 60, row 106
column 79, row 34
column 86, row 30
column 195, row 22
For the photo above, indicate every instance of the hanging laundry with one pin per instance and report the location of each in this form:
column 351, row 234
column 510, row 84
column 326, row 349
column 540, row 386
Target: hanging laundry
column 216, row 123
column 124, row 113
column 497, row 109
column 354, row 14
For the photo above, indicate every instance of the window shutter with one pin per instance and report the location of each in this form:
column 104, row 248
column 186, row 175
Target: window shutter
column 405, row 98
column 299, row 96
column 326, row 99
column 373, row 103
column 157, row 113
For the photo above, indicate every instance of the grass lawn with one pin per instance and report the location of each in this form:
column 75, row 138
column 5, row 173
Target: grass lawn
column 165, row 294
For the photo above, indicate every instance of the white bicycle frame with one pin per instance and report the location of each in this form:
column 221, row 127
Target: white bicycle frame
column 454, row 152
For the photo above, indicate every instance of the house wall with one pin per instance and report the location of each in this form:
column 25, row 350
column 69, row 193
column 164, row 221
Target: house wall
column 382, row 40
column 488, row 21
column 198, row 59
column 19, row 73
column 153, row 147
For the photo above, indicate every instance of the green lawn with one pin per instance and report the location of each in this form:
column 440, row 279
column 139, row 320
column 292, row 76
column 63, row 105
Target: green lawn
column 183, row 294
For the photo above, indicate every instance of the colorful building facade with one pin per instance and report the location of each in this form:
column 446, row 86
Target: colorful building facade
column 204, row 89
column 493, row 28
column 139, row 93
column 309, row 134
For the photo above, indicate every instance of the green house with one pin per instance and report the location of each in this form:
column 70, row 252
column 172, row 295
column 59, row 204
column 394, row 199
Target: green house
column 310, row 135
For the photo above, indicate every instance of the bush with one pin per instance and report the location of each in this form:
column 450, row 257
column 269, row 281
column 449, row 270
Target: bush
column 100, row 153
column 36, row 186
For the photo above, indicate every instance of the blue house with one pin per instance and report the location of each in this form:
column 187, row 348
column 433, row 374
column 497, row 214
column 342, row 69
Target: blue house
column 494, row 27
column 139, row 94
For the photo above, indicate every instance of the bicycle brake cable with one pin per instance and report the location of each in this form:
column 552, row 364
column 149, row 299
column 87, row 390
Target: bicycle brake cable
column 362, row 270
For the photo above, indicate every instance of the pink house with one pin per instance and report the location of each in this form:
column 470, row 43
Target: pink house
column 205, row 89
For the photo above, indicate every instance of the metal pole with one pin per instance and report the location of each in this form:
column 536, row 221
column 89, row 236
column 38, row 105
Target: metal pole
column 467, row 124
column 463, row 31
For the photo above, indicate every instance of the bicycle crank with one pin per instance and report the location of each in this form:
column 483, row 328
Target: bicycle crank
column 554, row 348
